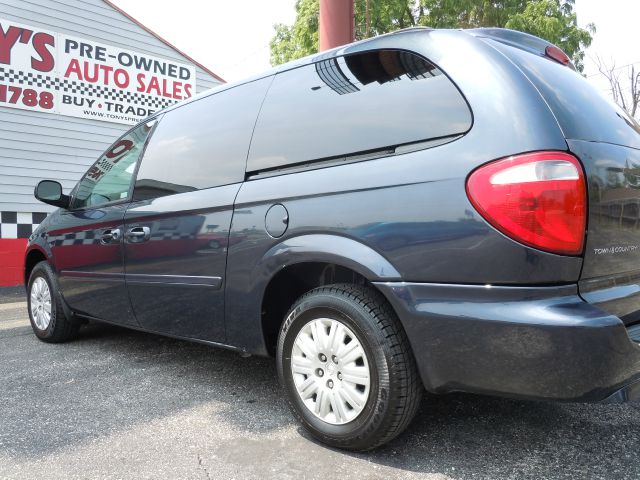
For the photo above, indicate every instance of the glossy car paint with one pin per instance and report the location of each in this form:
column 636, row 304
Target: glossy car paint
column 610, row 277
column 483, row 312
column 175, row 279
column 423, row 188
column 89, row 268
column 606, row 141
column 532, row 342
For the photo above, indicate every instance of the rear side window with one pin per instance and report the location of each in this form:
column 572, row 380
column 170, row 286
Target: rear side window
column 583, row 112
column 354, row 104
column 202, row 144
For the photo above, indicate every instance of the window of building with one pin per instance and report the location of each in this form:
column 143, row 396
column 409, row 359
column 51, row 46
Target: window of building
column 109, row 179
column 201, row 145
column 354, row 104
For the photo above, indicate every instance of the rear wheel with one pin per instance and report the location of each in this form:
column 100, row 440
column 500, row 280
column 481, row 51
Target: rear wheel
column 346, row 366
column 48, row 320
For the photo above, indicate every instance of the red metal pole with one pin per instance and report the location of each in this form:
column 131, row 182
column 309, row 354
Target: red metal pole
column 336, row 23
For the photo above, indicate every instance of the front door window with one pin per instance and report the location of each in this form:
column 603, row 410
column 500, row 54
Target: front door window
column 109, row 179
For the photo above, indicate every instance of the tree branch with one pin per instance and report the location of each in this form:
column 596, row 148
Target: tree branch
column 627, row 93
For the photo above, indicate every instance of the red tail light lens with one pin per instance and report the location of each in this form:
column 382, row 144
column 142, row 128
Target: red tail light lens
column 558, row 55
column 538, row 199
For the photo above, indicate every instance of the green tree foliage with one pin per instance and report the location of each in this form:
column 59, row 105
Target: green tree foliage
column 556, row 22
column 469, row 13
column 299, row 39
column 553, row 20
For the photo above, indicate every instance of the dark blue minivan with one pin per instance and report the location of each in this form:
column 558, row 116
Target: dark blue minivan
column 449, row 210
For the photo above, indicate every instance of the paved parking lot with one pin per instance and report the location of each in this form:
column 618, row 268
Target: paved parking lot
column 122, row 404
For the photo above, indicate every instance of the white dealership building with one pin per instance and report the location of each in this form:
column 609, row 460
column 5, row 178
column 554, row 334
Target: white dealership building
column 74, row 75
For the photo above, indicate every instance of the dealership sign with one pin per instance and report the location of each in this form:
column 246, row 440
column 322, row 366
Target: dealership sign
column 56, row 73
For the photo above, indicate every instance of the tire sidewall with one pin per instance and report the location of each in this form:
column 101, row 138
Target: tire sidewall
column 41, row 271
column 332, row 306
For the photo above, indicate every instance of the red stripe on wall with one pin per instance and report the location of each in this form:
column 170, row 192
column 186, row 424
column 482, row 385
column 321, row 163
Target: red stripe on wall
column 12, row 261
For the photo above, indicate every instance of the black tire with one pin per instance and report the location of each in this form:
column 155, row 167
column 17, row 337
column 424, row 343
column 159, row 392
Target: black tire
column 61, row 328
column 395, row 388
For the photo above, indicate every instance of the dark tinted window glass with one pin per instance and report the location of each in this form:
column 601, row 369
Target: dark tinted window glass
column 353, row 104
column 583, row 112
column 201, row 145
column 109, row 179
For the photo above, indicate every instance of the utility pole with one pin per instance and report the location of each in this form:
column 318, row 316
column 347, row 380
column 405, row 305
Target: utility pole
column 336, row 23
column 368, row 20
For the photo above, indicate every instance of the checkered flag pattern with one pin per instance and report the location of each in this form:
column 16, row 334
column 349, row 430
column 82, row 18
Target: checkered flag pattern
column 76, row 238
column 22, row 225
column 83, row 88
column 171, row 236
column 19, row 224
column 89, row 238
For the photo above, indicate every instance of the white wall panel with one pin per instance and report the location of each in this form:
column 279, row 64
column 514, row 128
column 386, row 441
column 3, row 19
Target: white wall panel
column 36, row 145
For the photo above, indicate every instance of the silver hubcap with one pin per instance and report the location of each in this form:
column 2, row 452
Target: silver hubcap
column 330, row 371
column 40, row 303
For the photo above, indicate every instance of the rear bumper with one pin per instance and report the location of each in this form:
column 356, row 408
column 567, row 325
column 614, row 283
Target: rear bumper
column 526, row 342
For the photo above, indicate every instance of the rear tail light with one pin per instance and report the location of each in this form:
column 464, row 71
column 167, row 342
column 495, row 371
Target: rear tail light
column 538, row 199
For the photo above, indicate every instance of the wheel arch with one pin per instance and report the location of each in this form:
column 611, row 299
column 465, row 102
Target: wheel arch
column 33, row 256
column 299, row 264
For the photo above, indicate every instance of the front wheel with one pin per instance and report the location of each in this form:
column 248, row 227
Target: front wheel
column 48, row 319
column 345, row 363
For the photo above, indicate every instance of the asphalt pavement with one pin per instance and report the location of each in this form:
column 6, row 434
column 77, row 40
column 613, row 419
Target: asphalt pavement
column 121, row 404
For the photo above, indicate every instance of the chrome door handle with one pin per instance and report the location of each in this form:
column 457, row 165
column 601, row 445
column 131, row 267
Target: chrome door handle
column 138, row 234
column 110, row 236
